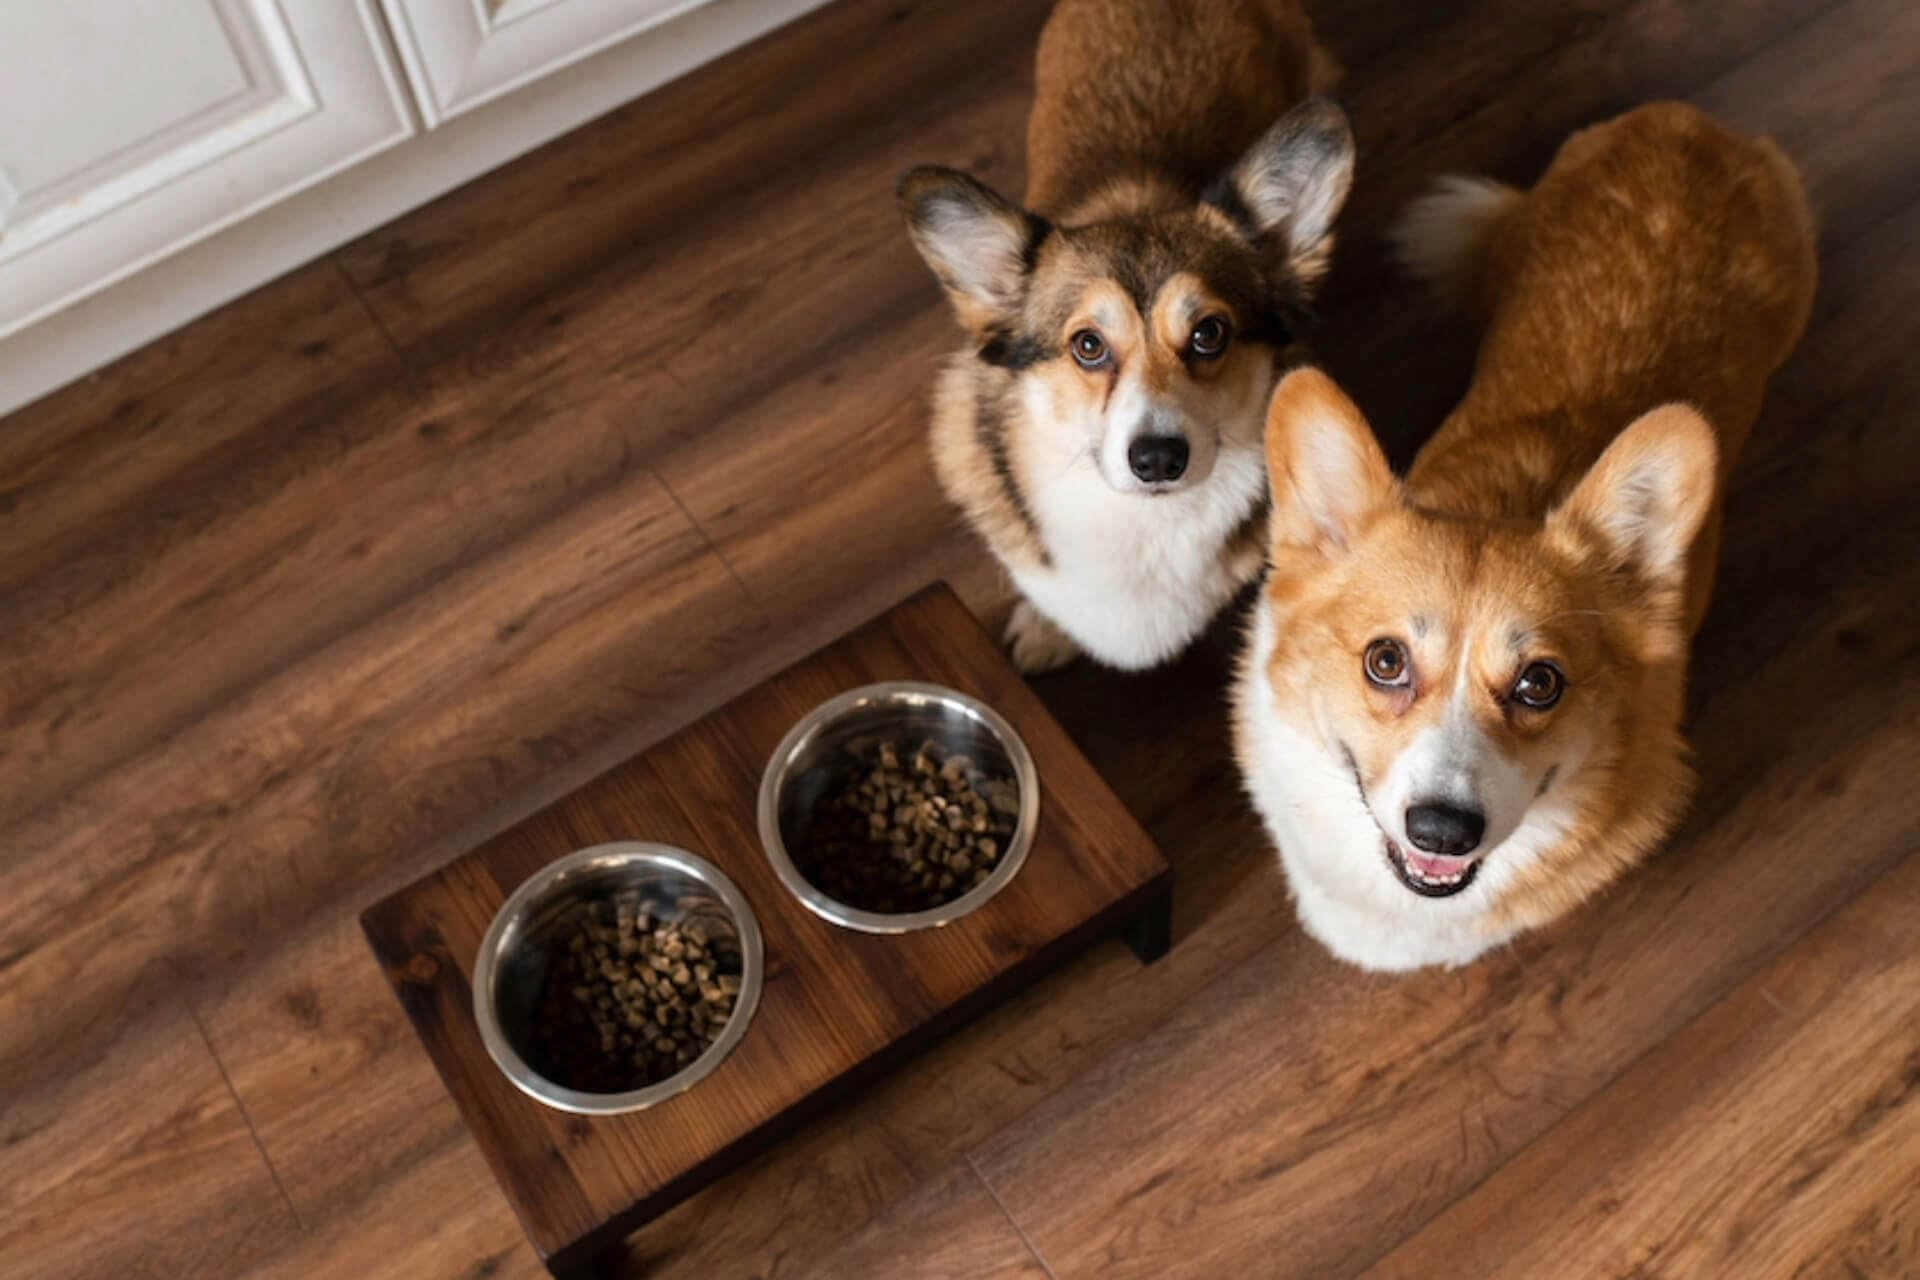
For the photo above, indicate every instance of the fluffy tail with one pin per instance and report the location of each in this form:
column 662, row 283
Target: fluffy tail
column 1443, row 236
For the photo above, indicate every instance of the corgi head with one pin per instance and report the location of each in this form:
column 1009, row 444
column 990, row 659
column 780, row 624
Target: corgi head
column 1480, row 679
column 1145, row 337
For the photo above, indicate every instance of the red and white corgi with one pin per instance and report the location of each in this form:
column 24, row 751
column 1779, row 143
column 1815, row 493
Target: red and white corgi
column 1459, row 712
column 1101, row 429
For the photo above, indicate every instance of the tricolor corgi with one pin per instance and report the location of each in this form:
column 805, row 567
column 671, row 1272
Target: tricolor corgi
column 1459, row 710
column 1101, row 429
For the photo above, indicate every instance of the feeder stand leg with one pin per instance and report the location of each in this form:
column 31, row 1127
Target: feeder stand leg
column 1150, row 932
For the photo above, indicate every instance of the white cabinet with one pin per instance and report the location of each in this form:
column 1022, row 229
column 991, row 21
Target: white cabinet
column 132, row 128
column 159, row 157
column 461, row 53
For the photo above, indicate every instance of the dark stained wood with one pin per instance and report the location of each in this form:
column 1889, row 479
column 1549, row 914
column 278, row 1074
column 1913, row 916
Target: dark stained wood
column 1496, row 93
column 90, row 1158
column 429, row 700
column 837, row 1004
column 291, row 614
column 680, row 187
column 1684, row 1166
column 950, row 1229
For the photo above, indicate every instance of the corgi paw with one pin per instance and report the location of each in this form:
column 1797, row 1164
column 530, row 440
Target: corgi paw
column 1037, row 645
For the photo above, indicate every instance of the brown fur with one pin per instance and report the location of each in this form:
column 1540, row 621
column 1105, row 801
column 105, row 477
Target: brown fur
column 1145, row 215
column 1662, row 258
column 1661, row 261
column 1140, row 106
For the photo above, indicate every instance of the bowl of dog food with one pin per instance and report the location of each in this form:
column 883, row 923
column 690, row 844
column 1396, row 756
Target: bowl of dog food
column 617, row 977
column 898, row 806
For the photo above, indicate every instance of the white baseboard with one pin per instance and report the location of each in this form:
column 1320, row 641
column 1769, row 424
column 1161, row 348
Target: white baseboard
column 99, row 329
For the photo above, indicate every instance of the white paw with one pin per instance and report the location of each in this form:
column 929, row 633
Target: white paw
column 1037, row 645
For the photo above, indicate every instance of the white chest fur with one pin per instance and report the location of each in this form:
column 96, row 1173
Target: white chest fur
column 1135, row 578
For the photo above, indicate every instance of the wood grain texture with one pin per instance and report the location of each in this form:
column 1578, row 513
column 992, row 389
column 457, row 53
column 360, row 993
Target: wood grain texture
column 327, row 588
column 1704, row 1159
column 685, row 170
column 835, row 1001
column 787, row 1208
column 950, row 1229
column 435, row 700
column 92, row 1156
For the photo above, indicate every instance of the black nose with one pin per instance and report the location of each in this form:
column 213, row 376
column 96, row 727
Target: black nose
column 1443, row 829
column 1157, row 458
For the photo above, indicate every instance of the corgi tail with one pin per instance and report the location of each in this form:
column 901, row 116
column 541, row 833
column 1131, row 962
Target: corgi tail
column 1441, row 238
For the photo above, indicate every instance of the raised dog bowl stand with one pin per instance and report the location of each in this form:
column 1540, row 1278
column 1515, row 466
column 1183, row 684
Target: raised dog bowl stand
column 838, row 1007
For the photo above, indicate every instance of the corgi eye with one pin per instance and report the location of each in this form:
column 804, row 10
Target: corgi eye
column 1539, row 686
column 1089, row 348
column 1209, row 338
column 1387, row 664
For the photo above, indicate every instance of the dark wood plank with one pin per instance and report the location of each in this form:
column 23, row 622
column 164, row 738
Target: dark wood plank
column 1496, row 93
column 838, row 1002
column 135, row 1162
column 172, row 443
column 314, row 1042
column 241, row 730
column 275, row 356
column 340, row 773
column 951, row 1229
column 367, row 1144
column 440, row 1215
column 1735, row 1148
column 1838, row 91
column 1879, row 1242
column 689, row 169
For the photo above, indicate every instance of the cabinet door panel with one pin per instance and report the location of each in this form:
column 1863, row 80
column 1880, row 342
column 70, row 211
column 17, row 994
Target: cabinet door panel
column 461, row 53
column 131, row 128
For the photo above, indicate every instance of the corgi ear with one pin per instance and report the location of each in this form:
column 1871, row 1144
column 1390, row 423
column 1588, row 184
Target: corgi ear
column 1290, row 186
column 979, row 243
column 1645, row 499
column 1328, row 474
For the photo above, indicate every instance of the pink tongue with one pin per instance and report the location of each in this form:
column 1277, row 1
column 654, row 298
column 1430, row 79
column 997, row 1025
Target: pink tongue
column 1434, row 866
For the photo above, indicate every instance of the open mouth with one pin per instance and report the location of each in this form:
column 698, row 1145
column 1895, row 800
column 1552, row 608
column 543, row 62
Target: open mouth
column 1431, row 875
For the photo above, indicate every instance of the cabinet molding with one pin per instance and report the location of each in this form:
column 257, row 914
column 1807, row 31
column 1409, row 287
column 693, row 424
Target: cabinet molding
column 301, row 90
column 100, row 328
column 460, row 54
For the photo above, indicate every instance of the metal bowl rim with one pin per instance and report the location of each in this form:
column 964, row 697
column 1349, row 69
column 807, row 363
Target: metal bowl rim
column 1026, row 776
column 614, row 855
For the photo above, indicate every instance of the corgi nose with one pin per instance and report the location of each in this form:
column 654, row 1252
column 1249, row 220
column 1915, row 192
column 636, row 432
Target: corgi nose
column 1158, row 458
column 1443, row 829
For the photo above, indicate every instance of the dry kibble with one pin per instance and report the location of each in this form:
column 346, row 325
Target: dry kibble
column 908, row 832
column 622, row 1008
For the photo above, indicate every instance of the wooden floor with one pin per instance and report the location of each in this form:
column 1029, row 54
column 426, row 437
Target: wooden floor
column 306, row 599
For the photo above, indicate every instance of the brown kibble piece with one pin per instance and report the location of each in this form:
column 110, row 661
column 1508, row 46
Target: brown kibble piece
column 632, row 998
column 903, row 837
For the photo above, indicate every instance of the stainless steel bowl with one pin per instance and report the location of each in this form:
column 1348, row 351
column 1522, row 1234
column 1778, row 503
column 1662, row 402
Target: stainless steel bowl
column 519, row 946
column 818, row 751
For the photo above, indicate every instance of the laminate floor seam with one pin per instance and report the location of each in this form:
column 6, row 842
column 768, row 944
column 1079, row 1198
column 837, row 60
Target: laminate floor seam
column 407, row 361
column 706, row 540
column 1012, row 1221
column 240, row 1105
